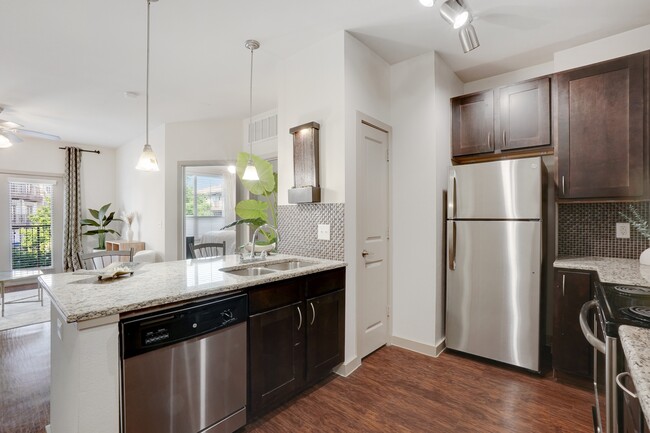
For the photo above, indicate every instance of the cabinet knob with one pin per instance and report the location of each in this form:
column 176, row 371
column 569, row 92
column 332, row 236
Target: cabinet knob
column 364, row 253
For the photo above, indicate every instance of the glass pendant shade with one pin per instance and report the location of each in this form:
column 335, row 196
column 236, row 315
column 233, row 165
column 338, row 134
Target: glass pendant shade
column 251, row 172
column 5, row 142
column 147, row 161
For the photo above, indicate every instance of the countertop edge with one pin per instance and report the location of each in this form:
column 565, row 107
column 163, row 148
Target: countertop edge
column 636, row 346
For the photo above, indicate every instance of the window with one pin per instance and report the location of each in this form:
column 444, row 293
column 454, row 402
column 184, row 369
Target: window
column 31, row 224
column 204, row 195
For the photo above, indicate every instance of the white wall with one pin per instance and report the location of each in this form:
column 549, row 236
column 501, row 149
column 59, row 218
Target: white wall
column 507, row 78
column 622, row 44
column 311, row 88
column 205, row 140
column 35, row 157
column 143, row 192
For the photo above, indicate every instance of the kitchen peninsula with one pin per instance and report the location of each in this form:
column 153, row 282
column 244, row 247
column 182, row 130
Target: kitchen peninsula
column 86, row 383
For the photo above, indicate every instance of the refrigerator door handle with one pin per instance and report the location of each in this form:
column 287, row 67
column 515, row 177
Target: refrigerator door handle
column 451, row 242
column 451, row 192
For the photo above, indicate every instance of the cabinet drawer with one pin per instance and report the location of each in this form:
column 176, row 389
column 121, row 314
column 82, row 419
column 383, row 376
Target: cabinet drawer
column 275, row 295
column 325, row 282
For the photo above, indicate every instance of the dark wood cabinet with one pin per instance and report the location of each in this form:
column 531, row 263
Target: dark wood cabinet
column 508, row 118
column 602, row 127
column 472, row 129
column 571, row 352
column 631, row 413
column 296, row 336
column 523, row 115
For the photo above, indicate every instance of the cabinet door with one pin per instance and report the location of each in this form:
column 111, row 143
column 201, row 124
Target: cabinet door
column 571, row 352
column 601, row 125
column 276, row 343
column 325, row 334
column 472, row 124
column 524, row 115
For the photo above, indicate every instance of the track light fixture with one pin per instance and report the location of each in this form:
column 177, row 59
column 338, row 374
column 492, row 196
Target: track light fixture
column 455, row 13
column 468, row 38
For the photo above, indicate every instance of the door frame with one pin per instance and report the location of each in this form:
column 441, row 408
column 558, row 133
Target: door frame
column 362, row 118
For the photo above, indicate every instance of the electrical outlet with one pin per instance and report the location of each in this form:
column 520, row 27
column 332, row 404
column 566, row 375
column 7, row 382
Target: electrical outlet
column 324, row 232
column 622, row 230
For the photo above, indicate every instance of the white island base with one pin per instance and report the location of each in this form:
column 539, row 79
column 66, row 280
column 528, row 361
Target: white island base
column 85, row 372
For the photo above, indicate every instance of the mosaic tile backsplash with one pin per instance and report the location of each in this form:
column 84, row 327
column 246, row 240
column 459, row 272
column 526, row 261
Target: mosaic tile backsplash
column 589, row 229
column 298, row 225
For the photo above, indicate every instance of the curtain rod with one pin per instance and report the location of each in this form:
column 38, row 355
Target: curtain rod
column 84, row 150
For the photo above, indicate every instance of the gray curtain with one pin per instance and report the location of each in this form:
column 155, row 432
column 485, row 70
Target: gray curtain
column 72, row 209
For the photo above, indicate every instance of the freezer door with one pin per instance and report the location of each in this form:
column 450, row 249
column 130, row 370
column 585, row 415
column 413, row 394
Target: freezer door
column 493, row 290
column 509, row 189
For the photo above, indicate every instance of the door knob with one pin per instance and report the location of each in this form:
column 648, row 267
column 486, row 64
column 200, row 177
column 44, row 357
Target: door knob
column 364, row 253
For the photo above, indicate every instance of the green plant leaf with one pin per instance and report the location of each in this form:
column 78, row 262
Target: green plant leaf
column 267, row 182
column 102, row 211
column 91, row 232
column 89, row 222
column 251, row 209
column 94, row 213
column 255, row 222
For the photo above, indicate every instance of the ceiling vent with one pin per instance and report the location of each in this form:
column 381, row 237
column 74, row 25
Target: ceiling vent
column 263, row 128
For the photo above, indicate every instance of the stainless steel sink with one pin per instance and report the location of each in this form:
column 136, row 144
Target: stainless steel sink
column 251, row 272
column 287, row 266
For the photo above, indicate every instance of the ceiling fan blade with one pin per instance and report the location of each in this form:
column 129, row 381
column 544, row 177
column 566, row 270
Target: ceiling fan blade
column 12, row 137
column 37, row 134
column 9, row 125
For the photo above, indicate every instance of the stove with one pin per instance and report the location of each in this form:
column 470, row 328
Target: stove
column 623, row 305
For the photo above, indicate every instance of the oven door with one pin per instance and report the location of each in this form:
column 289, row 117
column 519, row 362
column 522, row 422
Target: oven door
column 600, row 411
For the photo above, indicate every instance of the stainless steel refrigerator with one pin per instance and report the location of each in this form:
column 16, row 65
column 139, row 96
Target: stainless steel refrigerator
column 494, row 260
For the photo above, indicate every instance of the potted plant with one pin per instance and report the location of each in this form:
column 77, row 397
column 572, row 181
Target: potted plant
column 254, row 212
column 99, row 223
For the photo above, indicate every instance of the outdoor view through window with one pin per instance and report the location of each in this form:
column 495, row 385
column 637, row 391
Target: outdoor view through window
column 31, row 225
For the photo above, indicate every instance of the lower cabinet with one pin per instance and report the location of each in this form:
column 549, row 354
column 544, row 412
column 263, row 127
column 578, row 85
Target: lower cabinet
column 571, row 352
column 632, row 414
column 296, row 336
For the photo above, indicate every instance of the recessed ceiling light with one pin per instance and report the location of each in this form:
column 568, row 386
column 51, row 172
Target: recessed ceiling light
column 131, row 95
column 427, row 3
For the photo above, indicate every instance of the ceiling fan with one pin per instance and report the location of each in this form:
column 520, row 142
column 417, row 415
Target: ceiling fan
column 10, row 133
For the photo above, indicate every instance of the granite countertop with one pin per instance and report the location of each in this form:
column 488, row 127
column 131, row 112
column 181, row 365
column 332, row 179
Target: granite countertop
column 85, row 297
column 636, row 345
column 610, row 270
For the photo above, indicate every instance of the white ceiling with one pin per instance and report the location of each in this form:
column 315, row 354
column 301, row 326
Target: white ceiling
column 67, row 63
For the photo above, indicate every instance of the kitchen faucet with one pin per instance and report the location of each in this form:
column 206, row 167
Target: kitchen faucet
column 251, row 256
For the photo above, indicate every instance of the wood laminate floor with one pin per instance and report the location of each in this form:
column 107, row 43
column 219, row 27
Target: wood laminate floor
column 393, row 391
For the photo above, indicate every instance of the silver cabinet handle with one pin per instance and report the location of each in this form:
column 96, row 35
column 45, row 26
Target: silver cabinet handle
column 451, row 194
column 451, row 242
column 619, row 382
column 300, row 316
column 563, row 283
column 591, row 338
column 505, row 143
column 562, row 185
column 489, row 142
column 313, row 313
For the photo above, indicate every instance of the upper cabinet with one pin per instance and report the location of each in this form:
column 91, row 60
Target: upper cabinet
column 509, row 118
column 601, row 127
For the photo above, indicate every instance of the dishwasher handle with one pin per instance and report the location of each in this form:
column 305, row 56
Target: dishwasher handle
column 584, row 325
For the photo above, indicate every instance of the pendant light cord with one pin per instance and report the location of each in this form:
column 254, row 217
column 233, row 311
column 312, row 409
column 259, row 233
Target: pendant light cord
column 147, row 81
column 250, row 113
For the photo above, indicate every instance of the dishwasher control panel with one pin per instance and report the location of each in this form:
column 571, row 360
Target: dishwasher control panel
column 155, row 330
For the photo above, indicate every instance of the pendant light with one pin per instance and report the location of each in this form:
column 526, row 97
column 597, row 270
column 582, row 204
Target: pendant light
column 147, row 161
column 251, row 172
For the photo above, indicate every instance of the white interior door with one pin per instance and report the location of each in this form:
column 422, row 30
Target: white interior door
column 372, row 229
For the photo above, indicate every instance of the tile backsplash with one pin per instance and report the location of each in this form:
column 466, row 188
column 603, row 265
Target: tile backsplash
column 589, row 229
column 298, row 225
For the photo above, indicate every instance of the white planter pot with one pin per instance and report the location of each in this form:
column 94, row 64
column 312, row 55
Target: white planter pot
column 645, row 257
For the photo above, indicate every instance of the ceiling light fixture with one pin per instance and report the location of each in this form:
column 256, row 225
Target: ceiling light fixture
column 427, row 3
column 251, row 172
column 468, row 38
column 5, row 142
column 147, row 161
column 455, row 13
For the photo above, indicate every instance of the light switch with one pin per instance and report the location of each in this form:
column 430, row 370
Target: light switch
column 324, row 232
column 622, row 230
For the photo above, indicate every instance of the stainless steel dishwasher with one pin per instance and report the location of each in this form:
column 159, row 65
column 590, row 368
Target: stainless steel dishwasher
column 184, row 368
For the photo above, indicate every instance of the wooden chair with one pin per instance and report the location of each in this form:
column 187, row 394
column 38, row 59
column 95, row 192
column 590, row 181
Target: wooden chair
column 208, row 250
column 101, row 259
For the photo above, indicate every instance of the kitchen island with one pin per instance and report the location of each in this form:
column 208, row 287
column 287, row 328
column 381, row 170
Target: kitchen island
column 85, row 370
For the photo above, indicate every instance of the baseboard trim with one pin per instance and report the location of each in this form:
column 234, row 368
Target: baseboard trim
column 414, row 346
column 348, row 368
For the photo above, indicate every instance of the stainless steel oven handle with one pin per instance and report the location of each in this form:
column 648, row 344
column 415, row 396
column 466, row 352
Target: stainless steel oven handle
column 584, row 325
column 619, row 382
